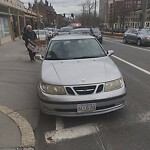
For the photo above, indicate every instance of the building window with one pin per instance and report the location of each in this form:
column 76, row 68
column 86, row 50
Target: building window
column 4, row 27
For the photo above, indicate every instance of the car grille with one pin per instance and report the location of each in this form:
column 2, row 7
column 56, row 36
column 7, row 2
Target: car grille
column 84, row 90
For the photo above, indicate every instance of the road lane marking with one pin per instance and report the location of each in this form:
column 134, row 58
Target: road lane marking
column 145, row 117
column 27, row 134
column 129, row 46
column 70, row 133
column 139, row 68
column 59, row 123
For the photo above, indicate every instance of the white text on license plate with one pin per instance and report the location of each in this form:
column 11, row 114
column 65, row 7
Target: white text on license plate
column 86, row 107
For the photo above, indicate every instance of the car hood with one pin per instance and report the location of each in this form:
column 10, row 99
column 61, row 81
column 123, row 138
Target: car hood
column 84, row 71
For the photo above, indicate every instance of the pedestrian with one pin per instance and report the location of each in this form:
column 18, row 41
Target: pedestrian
column 29, row 36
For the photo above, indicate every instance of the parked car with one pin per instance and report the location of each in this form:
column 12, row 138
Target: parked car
column 81, row 31
column 93, row 31
column 41, row 34
column 97, row 33
column 65, row 30
column 138, row 36
column 79, row 78
column 49, row 32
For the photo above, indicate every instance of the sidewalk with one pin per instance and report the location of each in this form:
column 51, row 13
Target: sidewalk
column 15, row 131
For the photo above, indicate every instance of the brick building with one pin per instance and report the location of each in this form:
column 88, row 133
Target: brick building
column 13, row 18
column 126, row 13
column 47, row 11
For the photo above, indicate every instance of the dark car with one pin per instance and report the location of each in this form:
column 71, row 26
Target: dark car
column 137, row 36
column 97, row 33
column 65, row 30
column 92, row 31
column 81, row 31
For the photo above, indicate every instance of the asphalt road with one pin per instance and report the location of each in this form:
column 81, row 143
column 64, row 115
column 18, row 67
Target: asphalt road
column 126, row 129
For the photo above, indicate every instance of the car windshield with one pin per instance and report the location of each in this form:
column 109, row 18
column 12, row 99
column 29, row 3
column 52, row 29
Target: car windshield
column 65, row 29
column 50, row 29
column 40, row 32
column 74, row 49
column 145, row 32
column 81, row 31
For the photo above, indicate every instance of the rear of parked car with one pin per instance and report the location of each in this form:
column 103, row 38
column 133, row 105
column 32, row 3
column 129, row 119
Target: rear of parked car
column 137, row 36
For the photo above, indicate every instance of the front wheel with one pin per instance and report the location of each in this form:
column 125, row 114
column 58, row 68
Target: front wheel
column 125, row 40
column 139, row 43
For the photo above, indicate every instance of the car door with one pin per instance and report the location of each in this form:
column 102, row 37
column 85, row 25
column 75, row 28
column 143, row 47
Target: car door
column 128, row 35
column 134, row 35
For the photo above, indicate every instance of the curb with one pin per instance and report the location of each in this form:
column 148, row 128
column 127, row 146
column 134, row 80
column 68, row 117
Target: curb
column 27, row 134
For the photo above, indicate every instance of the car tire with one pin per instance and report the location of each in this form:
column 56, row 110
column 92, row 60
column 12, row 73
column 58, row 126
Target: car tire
column 125, row 40
column 139, row 42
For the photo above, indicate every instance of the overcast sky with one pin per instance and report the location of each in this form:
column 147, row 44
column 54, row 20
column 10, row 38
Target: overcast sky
column 63, row 6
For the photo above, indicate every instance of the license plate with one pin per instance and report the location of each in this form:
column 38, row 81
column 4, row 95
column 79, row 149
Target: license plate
column 86, row 107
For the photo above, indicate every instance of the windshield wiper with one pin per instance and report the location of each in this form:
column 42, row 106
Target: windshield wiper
column 84, row 57
column 55, row 59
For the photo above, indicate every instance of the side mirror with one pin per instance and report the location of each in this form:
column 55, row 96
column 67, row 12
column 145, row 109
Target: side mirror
column 39, row 57
column 110, row 52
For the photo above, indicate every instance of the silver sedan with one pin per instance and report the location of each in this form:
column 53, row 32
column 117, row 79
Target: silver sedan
column 138, row 36
column 78, row 78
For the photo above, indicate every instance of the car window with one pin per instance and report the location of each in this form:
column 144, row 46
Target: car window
column 129, row 31
column 74, row 49
column 40, row 32
column 96, row 30
column 65, row 29
column 86, row 31
column 145, row 32
column 134, row 31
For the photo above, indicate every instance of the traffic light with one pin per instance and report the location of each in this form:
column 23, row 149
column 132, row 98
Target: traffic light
column 72, row 15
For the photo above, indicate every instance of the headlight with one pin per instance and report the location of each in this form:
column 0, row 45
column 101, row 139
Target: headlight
column 113, row 85
column 52, row 89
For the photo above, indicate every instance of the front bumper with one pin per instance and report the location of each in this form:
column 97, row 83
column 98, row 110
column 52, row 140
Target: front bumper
column 67, row 105
column 146, row 41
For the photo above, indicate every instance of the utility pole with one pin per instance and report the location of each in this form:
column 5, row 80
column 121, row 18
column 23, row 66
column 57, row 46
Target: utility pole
column 83, row 15
column 38, row 17
column 95, row 14
column 113, row 16
column 123, row 15
column 144, row 13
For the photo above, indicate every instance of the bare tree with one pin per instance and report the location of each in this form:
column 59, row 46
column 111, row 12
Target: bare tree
column 87, row 13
